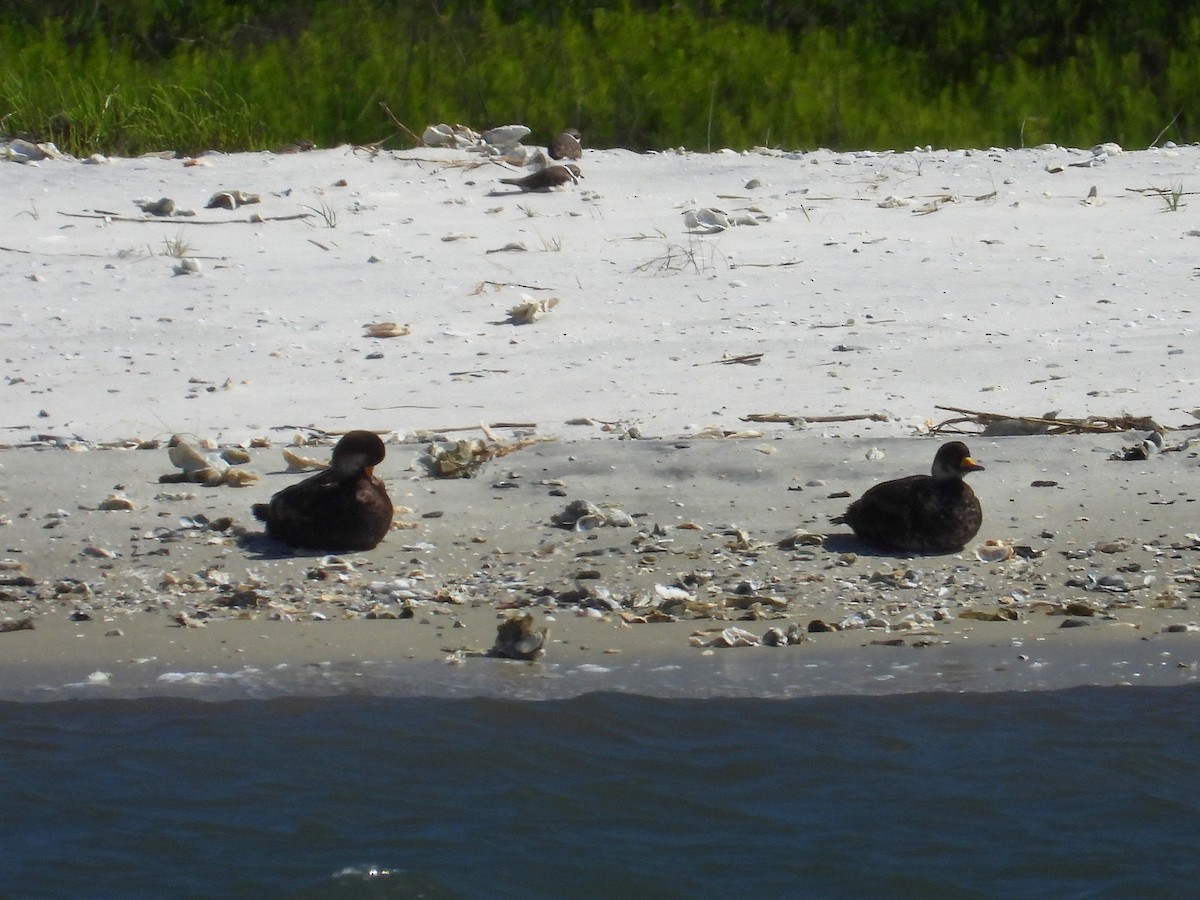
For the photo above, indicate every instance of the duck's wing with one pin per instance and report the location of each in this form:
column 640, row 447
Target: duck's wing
column 891, row 514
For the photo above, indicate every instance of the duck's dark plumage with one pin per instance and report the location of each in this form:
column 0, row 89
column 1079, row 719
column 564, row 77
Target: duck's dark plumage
column 935, row 513
column 343, row 508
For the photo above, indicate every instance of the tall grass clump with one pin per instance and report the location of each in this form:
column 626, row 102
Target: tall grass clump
column 248, row 74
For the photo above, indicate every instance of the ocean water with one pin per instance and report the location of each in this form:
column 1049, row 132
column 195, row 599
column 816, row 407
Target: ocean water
column 1089, row 792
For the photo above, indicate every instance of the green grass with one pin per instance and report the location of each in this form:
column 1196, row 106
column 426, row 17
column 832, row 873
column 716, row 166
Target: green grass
column 209, row 75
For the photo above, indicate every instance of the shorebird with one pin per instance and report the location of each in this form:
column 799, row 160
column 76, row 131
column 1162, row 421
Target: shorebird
column 566, row 145
column 343, row 508
column 935, row 513
column 547, row 178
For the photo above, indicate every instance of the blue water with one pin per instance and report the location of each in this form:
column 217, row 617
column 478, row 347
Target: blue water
column 1092, row 792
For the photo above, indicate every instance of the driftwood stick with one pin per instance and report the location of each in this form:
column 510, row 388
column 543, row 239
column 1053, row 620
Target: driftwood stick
column 180, row 220
column 795, row 420
column 1091, row 425
column 746, row 359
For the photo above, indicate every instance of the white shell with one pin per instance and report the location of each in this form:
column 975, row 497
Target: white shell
column 992, row 551
column 505, row 136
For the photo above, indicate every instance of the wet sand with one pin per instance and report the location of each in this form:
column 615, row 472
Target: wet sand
column 1110, row 566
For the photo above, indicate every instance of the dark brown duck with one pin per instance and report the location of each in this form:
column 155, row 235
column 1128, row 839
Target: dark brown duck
column 935, row 513
column 343, row 508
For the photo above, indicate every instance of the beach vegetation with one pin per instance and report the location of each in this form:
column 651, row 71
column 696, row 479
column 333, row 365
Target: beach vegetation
column 143, row 75
column 177, row 247
column 698, row 256
column 326, row 213
column 1172, row 197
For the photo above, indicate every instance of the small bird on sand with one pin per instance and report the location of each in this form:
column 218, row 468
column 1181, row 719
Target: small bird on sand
column 342, row 508
column 935, row 513
column 566, row 145
column 547, row 178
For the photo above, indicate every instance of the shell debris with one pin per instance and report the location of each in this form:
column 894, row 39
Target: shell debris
column 516, row 638
column 116, row 501
column 993, row 551
column 230, row 200
column 209, row 470
column 297, row 463
column 387, row 330
column 530, row 310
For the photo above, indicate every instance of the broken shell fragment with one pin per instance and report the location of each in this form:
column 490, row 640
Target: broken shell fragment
column 516, row 638
column 297, row 463
column 230, row 200
column 115, row 502
column 196, row 466
column 530, row 310
column 724, row 637
column 993, row 551
column 185, row 456
column 387, row 330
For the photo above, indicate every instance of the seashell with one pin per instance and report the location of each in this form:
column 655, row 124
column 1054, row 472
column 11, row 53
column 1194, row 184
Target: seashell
column 618, row 518
column 387, row 330
column 531, row 310
column 505, row 137
column 174, row 496
column 443, row 135
column 516, row 638
column 801, row 538
column 184, row 456
column 672, row 592
column 115, row 502
column 588, row 523
column 1117, row 546
column 1003, row 614
column 437, row 136
column 993, row 551
column 235, row 477
column 747, row 219
column 230, row 200
column 706, row 220
column 297, row 463
column 235, row 456
column 574, row 511
column 724, row 637
column 188, row 266
column 23, row 151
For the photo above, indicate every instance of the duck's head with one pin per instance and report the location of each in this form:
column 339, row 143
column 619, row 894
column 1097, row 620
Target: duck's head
column 357, row 451
column 953, row 460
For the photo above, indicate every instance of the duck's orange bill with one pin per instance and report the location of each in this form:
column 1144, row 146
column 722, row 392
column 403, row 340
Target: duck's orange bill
column 969, row 465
